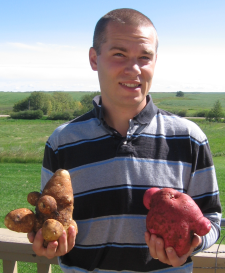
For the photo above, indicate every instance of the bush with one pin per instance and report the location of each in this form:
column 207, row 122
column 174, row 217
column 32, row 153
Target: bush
column 182, row 113
column 216, row 113
column 201, row 113
column 67, row 115
column 29, row 114
column 179, row 94
column 80, row 112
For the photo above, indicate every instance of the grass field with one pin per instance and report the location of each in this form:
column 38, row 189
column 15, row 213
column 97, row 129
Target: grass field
column 24, row 140
column 192, row 101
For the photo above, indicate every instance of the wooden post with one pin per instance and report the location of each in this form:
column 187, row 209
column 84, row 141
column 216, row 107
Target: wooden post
column 44, row 268
column 9, row 266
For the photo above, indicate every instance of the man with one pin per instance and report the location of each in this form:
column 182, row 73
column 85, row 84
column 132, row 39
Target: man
column 122, row 147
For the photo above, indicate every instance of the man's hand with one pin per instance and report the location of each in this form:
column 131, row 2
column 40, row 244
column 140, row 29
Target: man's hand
column 168, row 256
column 56, row 248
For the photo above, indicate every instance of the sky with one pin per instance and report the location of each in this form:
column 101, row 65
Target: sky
column 44, row 44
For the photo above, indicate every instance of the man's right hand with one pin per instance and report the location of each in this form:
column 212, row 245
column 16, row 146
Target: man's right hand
column 56, row 248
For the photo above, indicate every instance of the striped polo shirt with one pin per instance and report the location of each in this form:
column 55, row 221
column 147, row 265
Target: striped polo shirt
column 110, row 174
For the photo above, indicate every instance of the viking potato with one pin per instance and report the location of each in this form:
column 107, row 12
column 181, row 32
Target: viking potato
column 53, row 209
column 175, row 217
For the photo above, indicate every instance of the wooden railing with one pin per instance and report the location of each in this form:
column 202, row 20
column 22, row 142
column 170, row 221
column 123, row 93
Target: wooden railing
column 16, row 247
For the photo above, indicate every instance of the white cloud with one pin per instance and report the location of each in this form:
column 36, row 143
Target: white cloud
column 191, row 69
column 28, row 67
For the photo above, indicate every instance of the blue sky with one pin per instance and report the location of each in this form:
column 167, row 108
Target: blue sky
column 44, row 44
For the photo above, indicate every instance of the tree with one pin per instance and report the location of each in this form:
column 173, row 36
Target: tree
column 180, row 94
column 36, row 101
column 216, row 112
column 21, row 105
column 86, row 100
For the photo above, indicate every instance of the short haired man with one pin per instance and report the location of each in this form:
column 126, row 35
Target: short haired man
column 122, row 147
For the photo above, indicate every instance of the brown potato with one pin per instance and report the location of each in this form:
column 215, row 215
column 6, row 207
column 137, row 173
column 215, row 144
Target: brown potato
column 47, row 204
column 53, row 212
column 52, row 230
column 33, row 197
column 20, row 220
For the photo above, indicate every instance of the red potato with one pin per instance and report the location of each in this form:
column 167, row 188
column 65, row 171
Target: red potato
column 53, row 213
column 175, row 217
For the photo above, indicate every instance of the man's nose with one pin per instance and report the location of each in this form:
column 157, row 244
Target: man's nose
column 132, row 68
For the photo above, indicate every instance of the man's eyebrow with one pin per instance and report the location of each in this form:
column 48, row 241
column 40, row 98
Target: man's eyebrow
column 118, row 48
column 123, row 49
column 148, row 52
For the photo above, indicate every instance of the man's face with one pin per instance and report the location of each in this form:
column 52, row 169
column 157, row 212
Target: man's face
column 125, row 65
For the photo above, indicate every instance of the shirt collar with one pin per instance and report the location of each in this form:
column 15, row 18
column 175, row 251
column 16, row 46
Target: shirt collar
column 144, row 117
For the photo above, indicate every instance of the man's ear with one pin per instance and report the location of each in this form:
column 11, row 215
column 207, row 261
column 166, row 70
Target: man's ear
column 93, row 58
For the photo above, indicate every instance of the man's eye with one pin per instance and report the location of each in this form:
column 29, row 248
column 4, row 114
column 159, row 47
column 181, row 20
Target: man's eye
column 119, row 54
column 145, row 58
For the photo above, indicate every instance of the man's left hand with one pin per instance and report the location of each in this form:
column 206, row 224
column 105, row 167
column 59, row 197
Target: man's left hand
column 168, row 255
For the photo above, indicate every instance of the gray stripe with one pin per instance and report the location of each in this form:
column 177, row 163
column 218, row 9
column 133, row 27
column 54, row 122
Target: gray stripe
column 77, row 131
column 111, row 230
column 173, row 125
column 158, row 173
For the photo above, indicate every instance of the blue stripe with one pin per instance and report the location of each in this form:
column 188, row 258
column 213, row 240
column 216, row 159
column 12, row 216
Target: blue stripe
column 174, row 137
column 47, row 144
column 47, row 171
column 119, row 188
column 203, row 171
column 112, row 189
column 164, row 162
column 206, row 195
column 81, row 142
column 111, row 245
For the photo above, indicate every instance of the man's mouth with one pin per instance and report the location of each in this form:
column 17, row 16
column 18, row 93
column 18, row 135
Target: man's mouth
column 133, row 85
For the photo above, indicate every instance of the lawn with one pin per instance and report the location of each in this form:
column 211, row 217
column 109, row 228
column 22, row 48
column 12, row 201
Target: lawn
column 24, row 141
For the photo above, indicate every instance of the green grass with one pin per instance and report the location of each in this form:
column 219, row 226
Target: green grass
column 215, row 133
column 192, row 101
column 24, row 140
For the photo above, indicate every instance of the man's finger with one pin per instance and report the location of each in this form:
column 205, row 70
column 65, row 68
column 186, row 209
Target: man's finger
column 160, row 250
column 71, row 237
column 31, row 236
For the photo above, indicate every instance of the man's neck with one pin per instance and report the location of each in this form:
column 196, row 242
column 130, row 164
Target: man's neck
column 118, row 118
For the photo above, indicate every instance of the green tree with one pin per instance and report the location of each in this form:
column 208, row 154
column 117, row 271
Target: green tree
column 179, row 94
column 216, row 112
column 62, row 102
column 36, row 101
column 21, row 105
column 86, row 100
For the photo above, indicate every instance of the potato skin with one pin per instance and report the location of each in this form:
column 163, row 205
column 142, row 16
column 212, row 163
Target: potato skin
column 20, row 220
column 53, row 209
column 52, row 230
column 32, row 197
column 47, row 204
column 175, row 217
